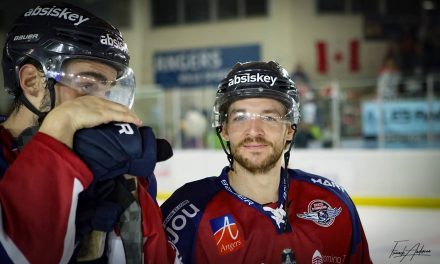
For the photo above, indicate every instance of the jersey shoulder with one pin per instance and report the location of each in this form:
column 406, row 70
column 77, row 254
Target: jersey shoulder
column 325, row 184
column 197, row 192
column 182, row 213
column 319, row 181
column 328, row 185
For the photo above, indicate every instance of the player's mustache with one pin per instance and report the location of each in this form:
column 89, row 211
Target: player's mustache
column 257, row 139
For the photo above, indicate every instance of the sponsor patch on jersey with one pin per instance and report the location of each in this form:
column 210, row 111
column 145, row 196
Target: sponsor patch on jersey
column 317, row 257
column 328, row 183
column 226, row 234
column 321, row 213
column 178, row 218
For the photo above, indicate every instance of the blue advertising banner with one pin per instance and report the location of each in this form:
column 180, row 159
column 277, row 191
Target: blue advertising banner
column 405, row 123
column 199, row 67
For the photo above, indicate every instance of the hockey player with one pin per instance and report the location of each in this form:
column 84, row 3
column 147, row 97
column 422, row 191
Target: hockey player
column 68, row 71
column 256, row 210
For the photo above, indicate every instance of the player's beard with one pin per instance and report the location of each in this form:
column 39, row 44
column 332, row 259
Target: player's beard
column 264, row 166
column 44, row 106
column 45, row 102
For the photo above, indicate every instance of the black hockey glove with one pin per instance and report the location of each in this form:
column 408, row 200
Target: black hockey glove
column 114, row 149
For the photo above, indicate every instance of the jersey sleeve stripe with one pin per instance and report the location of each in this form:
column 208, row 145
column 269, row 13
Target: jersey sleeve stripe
column 69, row 239
column 14, row 254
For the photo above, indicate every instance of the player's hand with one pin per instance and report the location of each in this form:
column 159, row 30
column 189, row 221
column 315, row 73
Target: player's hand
column 84, row 112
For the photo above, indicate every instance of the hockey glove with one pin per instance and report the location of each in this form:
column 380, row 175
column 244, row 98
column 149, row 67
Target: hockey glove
column 114, row 149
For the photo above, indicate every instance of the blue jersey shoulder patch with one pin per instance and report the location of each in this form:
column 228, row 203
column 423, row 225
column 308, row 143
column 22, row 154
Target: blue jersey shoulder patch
column 182, row 213
column 318, row 180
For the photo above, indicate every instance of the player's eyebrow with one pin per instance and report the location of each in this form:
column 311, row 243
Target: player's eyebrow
column 96, row 75
column 266, row 111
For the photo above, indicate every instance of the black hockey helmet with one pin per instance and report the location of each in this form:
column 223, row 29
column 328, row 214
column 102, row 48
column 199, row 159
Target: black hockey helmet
column 252, row 80
column 55, row 32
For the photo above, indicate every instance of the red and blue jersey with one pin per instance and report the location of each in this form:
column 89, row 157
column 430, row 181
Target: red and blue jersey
column 39, row 189
column 207, row 222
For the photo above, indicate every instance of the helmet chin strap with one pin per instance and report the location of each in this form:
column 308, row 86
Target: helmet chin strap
column 218, row 130
column 33, row 109
column 286, row 178
column 29, row 132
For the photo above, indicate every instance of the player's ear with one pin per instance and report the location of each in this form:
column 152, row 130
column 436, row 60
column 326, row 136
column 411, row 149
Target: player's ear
column 225, row 133
column 291, row 131
column 31, row 81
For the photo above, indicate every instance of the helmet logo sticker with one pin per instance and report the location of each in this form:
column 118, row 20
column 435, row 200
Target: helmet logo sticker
column 252, row 78
column 57, row 12
column 27, row 37
column 112, row 42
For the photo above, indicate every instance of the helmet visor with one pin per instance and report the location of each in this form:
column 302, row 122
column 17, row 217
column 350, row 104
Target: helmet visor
column 111, row 84
column 223, row 101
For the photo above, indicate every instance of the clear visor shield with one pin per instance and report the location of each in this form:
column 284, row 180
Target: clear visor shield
column 219, row 115
column 117, row 87
column 239, row 118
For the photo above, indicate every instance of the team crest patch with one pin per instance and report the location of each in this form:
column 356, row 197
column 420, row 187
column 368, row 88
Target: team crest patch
column 226, row 234
column 321, row 213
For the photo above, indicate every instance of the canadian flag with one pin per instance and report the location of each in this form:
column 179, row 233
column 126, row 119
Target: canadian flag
column 337, row 57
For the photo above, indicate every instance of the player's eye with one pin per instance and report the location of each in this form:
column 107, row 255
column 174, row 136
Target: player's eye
column 239, row 116
column 269, row 118
column 88, row 87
